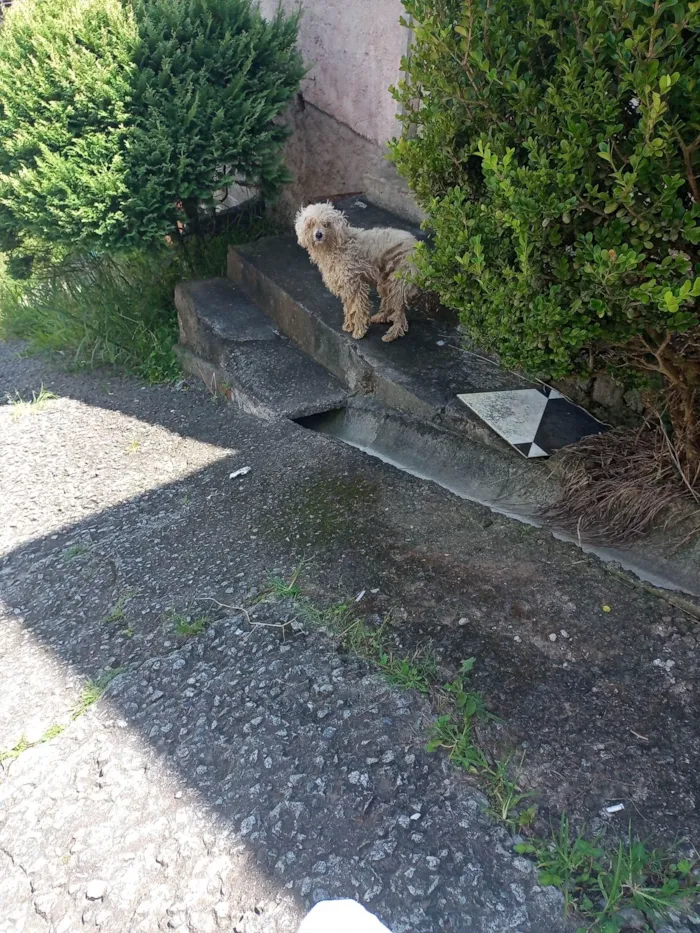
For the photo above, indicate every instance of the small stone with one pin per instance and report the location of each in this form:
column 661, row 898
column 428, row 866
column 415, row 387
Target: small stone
column 553, row 637
column 607, row 392
column 415, row 816
column 564, row 633
column 248, row 825
column 96, row 890
column 43, row 904
column 634, row 919
column 517, row 638
column 202, row 922
column 463, row 621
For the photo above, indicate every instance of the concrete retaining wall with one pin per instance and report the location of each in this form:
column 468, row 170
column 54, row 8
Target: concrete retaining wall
column 345, row 114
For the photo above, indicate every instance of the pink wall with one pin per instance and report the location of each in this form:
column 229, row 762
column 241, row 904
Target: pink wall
column 354, row 49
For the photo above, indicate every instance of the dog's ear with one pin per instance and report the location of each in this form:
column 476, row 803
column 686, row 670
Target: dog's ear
column 299, row 222
column 340, row 220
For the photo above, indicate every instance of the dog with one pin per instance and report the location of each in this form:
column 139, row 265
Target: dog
column 353, row 261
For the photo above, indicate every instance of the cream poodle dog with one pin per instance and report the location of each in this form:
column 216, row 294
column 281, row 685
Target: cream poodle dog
column 353, row 261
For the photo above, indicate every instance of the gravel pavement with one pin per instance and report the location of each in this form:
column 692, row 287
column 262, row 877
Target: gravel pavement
column 230, row 779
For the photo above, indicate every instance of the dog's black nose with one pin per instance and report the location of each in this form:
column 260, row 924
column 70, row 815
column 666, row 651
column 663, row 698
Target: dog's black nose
column 319, row 235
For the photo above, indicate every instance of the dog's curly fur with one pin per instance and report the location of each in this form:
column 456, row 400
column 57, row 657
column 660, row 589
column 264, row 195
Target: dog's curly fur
column 353, row 261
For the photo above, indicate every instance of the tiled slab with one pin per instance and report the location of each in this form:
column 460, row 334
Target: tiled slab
column 536, row 421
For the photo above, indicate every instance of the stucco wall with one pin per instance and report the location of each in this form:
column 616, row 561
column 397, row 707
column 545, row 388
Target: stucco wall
column 353, row 49
column 345, row 114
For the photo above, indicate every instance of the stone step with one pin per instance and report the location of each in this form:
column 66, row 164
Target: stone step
column 384, row 187
column 420, row 374
column 234, row 348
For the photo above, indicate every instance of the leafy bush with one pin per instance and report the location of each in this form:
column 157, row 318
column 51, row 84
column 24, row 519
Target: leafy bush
column 117, row 119
column 556, row 148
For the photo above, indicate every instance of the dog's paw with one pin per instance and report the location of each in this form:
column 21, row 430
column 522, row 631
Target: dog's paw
column 347, row 326
column 394, row 332
column 359, row 331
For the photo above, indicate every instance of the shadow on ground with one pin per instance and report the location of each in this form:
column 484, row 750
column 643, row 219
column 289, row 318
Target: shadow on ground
column 316, row 766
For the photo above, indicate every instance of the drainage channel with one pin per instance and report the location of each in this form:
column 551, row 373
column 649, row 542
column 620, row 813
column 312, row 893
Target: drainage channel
column 489, row 476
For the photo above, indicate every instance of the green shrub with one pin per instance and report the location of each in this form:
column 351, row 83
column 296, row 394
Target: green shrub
column 117, row 119
column 556, row 148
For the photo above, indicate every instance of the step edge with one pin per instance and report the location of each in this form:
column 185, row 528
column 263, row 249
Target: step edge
column 360, row 375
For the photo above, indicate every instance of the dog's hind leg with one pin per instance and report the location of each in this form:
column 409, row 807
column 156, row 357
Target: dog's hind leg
column 385, row 310
column 399, row 326
column 394, row 293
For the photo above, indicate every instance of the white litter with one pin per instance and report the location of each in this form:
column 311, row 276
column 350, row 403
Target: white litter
column 360, row 204
column 360, row 595
column 615, row 808
column 244, row 471
column 342, row 917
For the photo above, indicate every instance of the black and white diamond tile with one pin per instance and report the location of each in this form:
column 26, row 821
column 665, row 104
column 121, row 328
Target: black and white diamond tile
column 536, row 421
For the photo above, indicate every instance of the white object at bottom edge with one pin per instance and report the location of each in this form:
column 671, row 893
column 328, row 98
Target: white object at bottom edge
column 344, row 916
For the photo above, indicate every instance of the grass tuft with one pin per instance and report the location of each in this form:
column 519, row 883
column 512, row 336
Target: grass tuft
column 186, row 625
column 116, row 613
column 74, row 551
column 38, row 403
column 92, row 692
column 279, row 588
column 114, row 309
column 603, row 883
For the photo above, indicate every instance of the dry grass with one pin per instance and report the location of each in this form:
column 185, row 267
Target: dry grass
column 619, row 485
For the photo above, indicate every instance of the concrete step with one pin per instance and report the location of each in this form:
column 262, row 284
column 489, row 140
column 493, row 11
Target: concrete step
column 233, row 346
column 420, row 374
column 385, row 188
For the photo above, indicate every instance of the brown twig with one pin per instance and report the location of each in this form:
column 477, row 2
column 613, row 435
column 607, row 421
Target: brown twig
column 688, row 163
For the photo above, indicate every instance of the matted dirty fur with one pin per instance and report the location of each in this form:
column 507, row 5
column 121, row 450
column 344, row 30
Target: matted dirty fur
column 353, row 261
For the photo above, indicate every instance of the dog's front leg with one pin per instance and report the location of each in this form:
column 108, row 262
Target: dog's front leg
column 359, row 309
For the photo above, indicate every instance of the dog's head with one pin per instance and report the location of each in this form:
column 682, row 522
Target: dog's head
column 320, row 227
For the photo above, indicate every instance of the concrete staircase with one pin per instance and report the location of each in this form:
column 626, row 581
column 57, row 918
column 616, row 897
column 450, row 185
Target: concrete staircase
column 272, row 336
column 234, row 348
column 269, row 337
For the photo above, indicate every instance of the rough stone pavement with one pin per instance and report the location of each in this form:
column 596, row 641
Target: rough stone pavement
column 224, row 781
column 231, row 779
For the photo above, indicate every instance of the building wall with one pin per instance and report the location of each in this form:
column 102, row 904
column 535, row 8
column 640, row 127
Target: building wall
column 353, row 49
column 345, row 115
